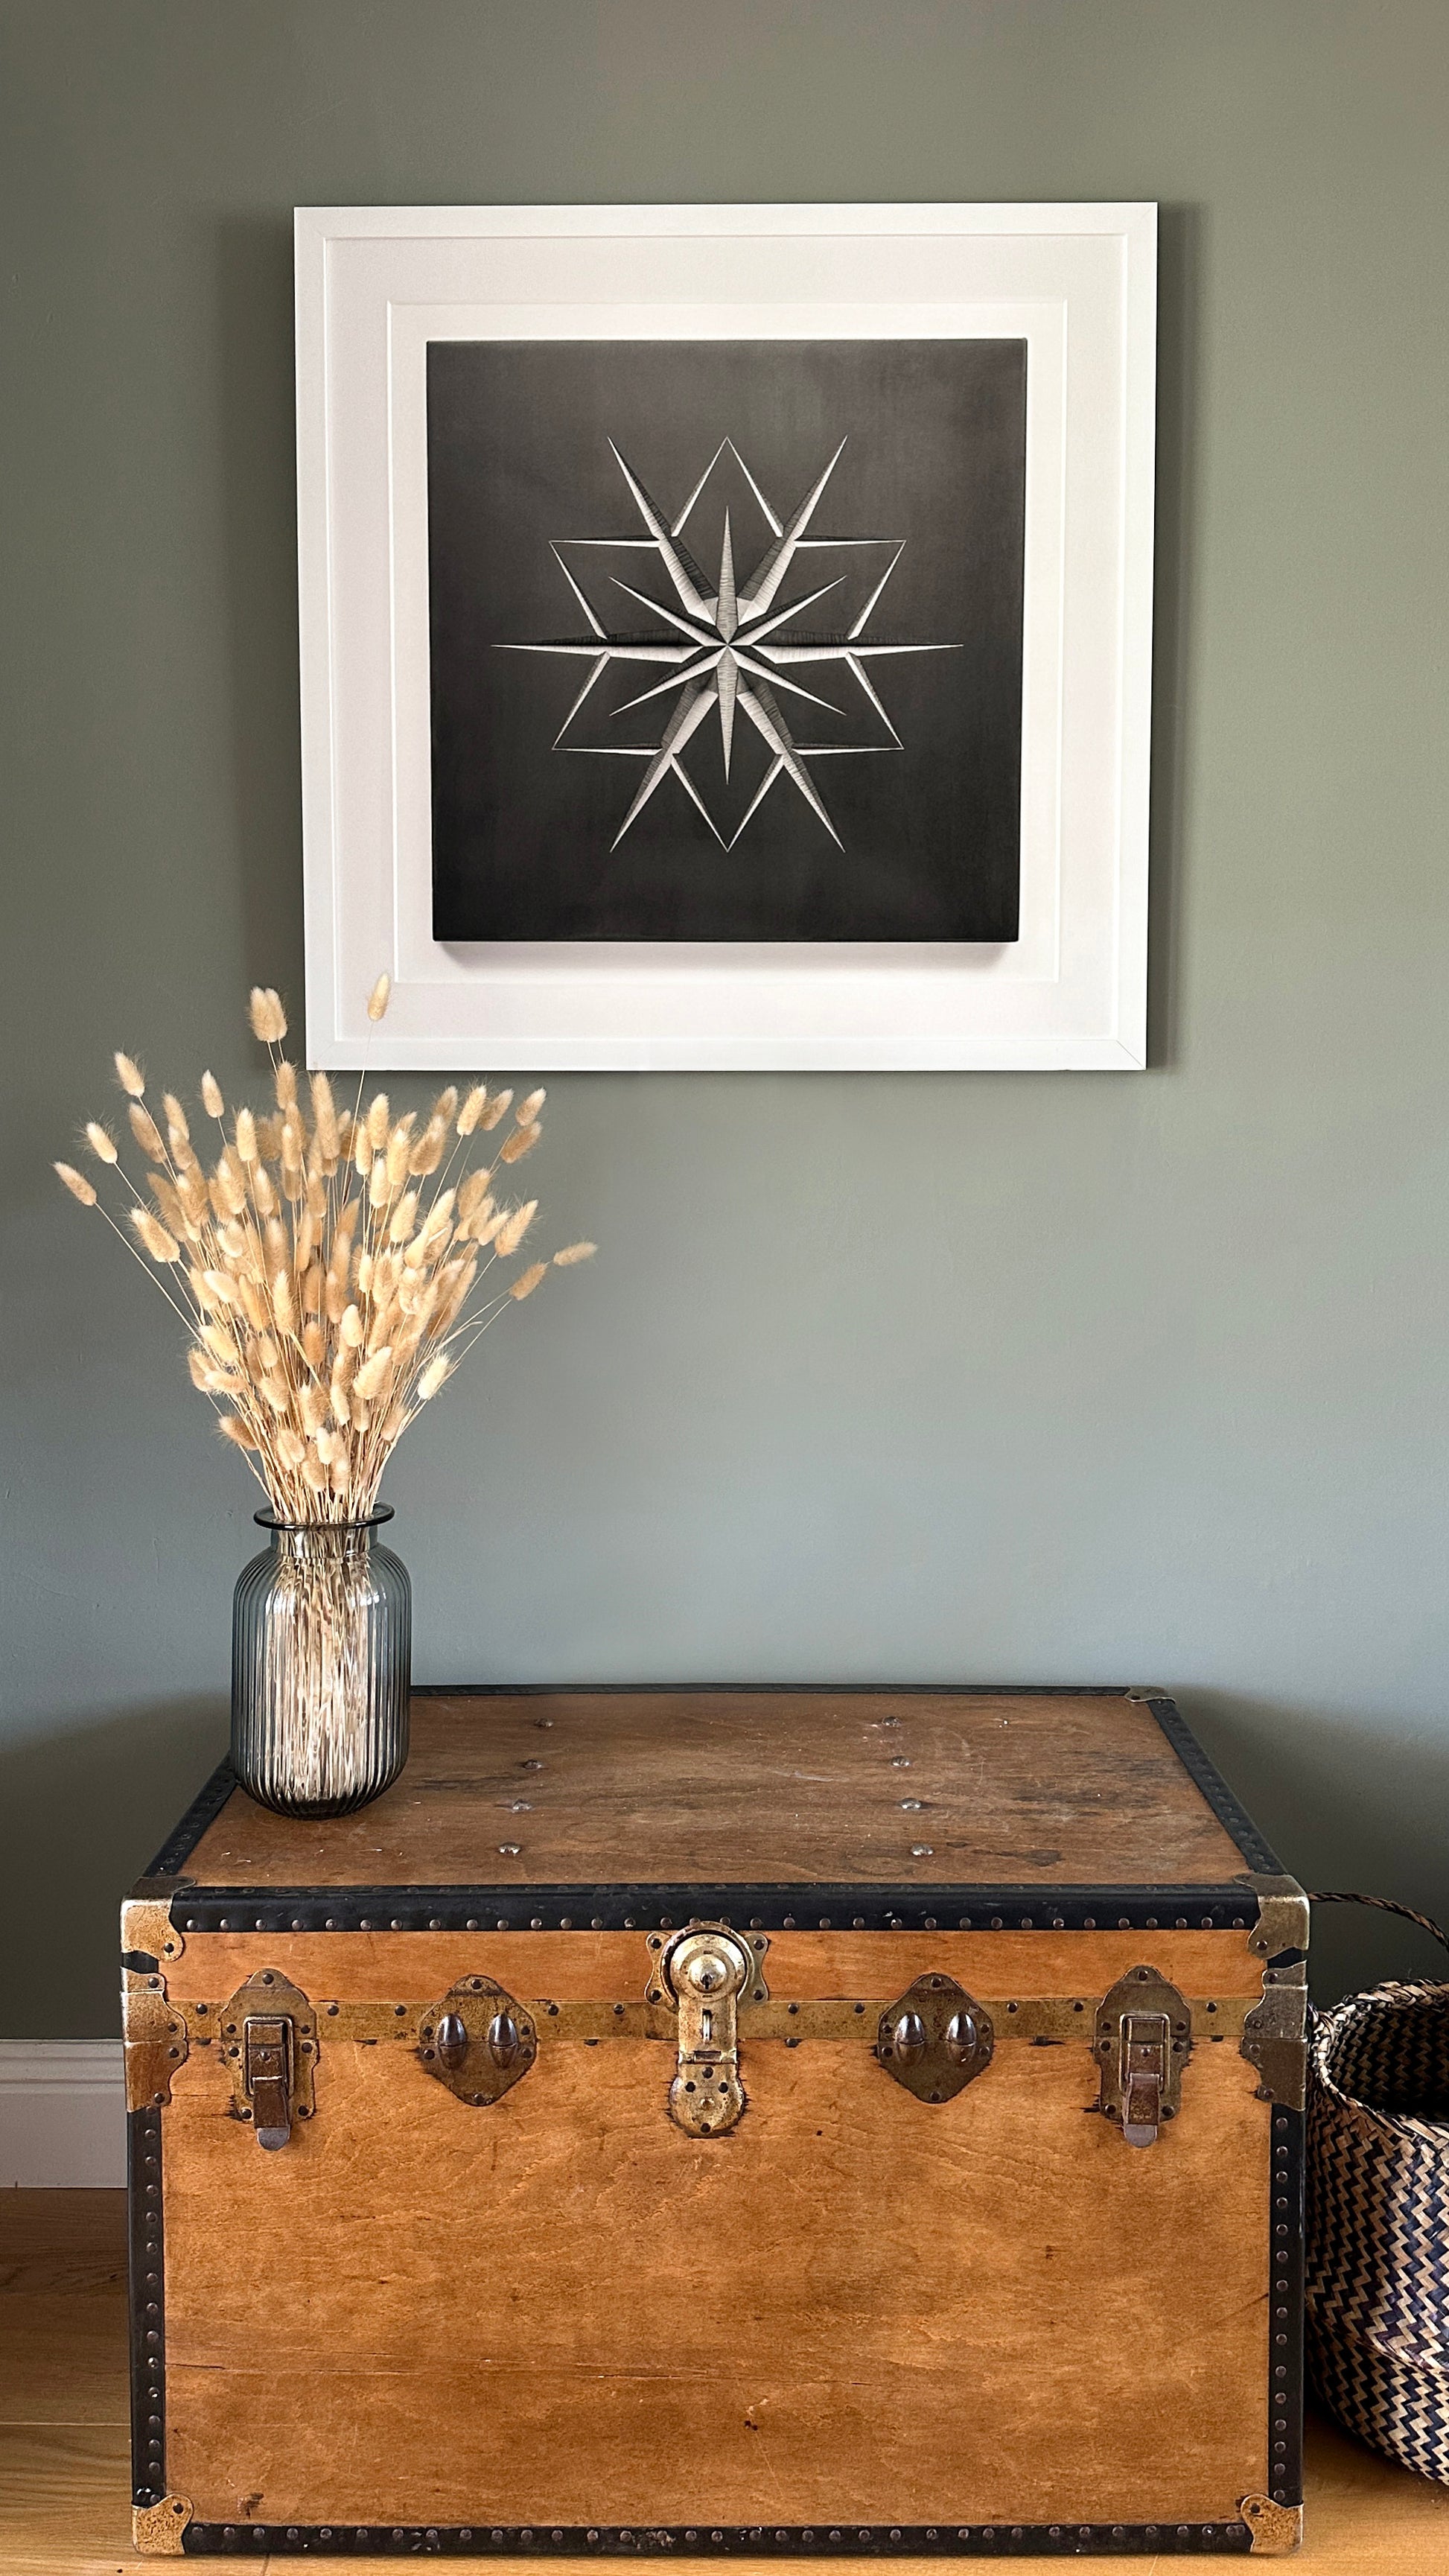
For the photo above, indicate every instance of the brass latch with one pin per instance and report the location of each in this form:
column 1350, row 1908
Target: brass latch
column 935, row 2039
column 269, row 2033
column 704, row 1972
column 1143, row 2040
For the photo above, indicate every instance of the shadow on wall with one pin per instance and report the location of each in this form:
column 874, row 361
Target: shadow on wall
column 86, row 1808
column 1322, row 1788
column 256, row 434
column 1179, row 262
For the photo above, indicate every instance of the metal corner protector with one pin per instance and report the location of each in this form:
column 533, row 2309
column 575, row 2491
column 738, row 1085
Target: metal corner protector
column 1277, row 2529
column 156, row 2529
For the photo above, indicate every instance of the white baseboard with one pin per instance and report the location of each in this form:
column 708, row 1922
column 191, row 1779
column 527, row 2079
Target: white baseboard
column 62, row 2113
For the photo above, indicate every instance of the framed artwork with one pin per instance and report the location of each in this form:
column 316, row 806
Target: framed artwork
column 726, row 634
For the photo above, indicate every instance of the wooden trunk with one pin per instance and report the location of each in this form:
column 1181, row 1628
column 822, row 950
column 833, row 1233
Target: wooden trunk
column 459, row 2231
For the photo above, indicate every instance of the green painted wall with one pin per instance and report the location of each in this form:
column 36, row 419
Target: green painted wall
column 1046, row 1377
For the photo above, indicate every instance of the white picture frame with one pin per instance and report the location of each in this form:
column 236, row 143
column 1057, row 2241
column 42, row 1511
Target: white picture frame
column 375, row 284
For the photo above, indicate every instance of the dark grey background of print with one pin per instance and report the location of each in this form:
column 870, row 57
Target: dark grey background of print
column 519, row 455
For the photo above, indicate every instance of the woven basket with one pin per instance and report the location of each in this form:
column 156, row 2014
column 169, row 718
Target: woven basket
column 1377, row 2280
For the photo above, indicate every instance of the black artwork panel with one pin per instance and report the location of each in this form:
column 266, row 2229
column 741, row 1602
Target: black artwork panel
column 922, row 840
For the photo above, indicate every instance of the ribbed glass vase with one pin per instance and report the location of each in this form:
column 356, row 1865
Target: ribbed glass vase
column 321, row 1665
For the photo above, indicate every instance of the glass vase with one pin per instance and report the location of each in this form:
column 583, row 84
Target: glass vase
column 321, row 1666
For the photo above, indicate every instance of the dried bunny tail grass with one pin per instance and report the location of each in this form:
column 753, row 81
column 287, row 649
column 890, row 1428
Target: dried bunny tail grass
column 146, row 1132
column 161, row 1245
column 324, row 1118
column 373, row 1375
column 399, row 1149
column 377, row 999
column 521, row 1142
column 513, row 1229
column 527, row 1280
column 322, row 1308
column 427, row 1153
column 169, row 1204
column 268, row 1019
column 400, row 1224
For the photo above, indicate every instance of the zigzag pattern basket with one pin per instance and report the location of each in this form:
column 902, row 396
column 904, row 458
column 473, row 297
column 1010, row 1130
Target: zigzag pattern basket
column 1377, row 2282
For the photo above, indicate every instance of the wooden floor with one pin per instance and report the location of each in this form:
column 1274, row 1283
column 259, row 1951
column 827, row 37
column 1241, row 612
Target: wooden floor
column 64, row 2474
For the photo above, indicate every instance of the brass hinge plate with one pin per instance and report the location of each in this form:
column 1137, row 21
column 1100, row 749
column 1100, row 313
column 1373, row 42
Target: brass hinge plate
column 1275, row 2036
column 476, row 2040
column 1277, row 2529
column 154, row 2031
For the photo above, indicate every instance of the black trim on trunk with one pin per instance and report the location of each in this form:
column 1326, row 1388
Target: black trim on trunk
column 147, row 2298
column 204, row 1809
column 843, row 2540
column 1205, row 1775
column 1285, row 2316
column 806, row 1908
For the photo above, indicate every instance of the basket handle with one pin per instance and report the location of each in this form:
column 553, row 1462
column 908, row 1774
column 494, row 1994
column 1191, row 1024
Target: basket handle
column 1381, row 1905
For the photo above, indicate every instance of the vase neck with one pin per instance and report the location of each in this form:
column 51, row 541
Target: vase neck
column 318, row 1542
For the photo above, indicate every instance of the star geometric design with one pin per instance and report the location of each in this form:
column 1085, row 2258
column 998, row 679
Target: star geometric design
column 728, row 646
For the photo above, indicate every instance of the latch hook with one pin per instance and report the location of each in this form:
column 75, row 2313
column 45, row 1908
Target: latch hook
column 267, row 2075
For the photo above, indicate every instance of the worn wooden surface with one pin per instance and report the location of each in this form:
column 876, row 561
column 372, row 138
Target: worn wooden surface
column 853, row 2306
column 909, row 1788
column 64, row 2464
